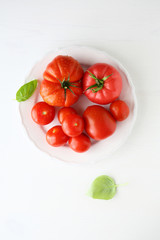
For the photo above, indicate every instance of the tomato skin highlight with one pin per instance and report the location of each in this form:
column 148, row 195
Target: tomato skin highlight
column 73, row 125
column 53, row 94
column 42, row 113
column 110, row 88
column 61, row 67
column 62, row 82
column 119, row 110
column 80, row 143
column 64, row 112
column 99, row 123
column 56, row 137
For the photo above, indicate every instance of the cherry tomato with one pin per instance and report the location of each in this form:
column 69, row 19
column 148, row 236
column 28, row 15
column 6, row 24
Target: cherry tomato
column 99, row 123
column 42, row 113
column 62, row 82
column 64, row 112
column 73, row 125
column 102, row 83
column 56, row 137
column 120, row 110
column 80, row 143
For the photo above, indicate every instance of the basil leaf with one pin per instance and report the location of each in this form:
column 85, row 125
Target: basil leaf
column 103, row 187
column 26, row 91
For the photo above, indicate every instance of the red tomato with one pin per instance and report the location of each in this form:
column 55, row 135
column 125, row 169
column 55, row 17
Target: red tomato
column 99, row 123
column 102, row 83
column 62, row 82
column 64, row 112
column 42, row 113
column 80, row 143
column 56, row 137
column 73, row 125
column 119, row 110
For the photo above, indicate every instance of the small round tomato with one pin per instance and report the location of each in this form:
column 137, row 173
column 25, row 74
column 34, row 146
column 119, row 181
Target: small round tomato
column 120, row 110
column 64, row 112
column 99, row 123
column 42, row 113
column 80, row 143
column 73, row 125
column 56, row 137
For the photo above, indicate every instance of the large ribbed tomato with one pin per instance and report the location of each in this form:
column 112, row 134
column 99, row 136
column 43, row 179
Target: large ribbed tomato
column 102, row 83
column 62, row 82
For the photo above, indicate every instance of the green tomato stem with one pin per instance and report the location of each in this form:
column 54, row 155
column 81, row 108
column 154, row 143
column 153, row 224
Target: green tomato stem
column 99, row 83
column 66, row 84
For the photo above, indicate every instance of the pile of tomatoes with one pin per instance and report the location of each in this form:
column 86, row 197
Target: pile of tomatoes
column 64, row 82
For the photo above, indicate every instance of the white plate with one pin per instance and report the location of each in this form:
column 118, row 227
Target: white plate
column 101, row 149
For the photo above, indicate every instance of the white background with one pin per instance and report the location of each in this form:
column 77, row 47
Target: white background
column 42, row 198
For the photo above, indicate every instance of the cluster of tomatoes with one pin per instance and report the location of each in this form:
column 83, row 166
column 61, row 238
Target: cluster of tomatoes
column 64, row 81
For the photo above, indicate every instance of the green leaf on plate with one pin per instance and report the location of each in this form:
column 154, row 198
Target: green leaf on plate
column 103, row 187
column 26, row 91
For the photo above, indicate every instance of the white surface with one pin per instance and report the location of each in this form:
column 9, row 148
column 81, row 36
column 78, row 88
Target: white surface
column 87, row 57
column 45, row 199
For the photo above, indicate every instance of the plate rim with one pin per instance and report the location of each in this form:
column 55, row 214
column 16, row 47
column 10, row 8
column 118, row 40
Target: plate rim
column 105, row 53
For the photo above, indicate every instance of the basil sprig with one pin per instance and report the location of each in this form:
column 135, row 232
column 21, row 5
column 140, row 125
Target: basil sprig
column 103, row 187
column 26, row 91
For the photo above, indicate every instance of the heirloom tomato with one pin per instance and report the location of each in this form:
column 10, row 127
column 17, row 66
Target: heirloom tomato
column 62, row 82
column 102, row 83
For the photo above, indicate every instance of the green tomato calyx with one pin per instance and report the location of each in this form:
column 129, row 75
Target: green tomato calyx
column 66, row 84
column 99, row 82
